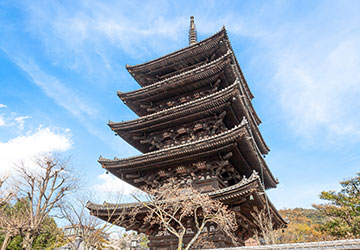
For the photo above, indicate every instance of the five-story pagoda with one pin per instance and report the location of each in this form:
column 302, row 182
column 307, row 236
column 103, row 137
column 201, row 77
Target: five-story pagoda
column 197, row 124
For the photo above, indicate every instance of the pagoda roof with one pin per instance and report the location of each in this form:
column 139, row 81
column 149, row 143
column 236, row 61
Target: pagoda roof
column 142, row 73
column 187, row 81
column 201, row 107
column 182, row 82
column 245, row 187
column 194, row 109
column 239, row 138
column 236, row 194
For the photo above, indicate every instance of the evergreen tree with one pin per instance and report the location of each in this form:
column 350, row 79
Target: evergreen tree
column 343, row 209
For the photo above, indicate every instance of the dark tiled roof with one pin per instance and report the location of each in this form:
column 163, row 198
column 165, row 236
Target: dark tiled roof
column 197, row 73
column 242, row 189
column 209, row 141
column 179, row 110
column 202, row 146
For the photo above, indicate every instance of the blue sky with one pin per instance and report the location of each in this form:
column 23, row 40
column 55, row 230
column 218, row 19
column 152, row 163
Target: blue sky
column 61, row 63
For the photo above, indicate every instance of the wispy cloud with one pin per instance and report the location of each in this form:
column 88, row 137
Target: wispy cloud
column 318, row 87
column 52, row 87
column 55, row 89
column 86, row 37
column 314, row 81
column 2, row 121
column 322, row 96
column 3, row 105
column 20, row 120
column 29, row 143
column 311, row 63
column 12, row 119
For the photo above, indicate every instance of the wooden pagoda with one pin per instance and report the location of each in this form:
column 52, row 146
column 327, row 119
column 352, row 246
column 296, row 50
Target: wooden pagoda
column 196, row 123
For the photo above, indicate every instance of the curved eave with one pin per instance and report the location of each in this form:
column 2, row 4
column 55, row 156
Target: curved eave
column 176, row 111
column 133, row 99
column 197, row 48
column 263, row 147
column 148, row 90
column 238, row 193
column 200, row 107
column 239, row 136
column 248, row 91
column 276, row 215
column 245, row 188
column 181, row 150
column 245, row 108
column 252, row 147
column 135, row 71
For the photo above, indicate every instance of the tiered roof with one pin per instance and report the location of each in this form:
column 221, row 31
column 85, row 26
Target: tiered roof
column 190, row 111
column 184, row 79
column 178, row 84
column 239, row 140
column 196, row 83
column 180, row 72
column 179, row 61
column 246, row 194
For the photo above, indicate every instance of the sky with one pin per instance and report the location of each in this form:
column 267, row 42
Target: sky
column 61, row 63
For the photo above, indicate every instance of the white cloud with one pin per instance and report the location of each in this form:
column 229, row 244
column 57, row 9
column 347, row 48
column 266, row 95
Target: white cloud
column 20, row 120
column 2, row 121
column 11, row 119
column 3, row 105
column 111, row 184
column 26, row 147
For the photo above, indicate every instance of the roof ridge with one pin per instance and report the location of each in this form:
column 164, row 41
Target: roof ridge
column 229, row 52
column 244, row 122
column 180, row 105
column 254, row 176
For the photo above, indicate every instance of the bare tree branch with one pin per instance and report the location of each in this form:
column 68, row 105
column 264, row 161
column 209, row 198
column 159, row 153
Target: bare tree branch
column 40, row 190
column 174, row 207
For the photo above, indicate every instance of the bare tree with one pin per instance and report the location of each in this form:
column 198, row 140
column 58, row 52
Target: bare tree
column 10, row 217
column 41, row 190
column 265, row 234
column 5, row 197
column 123, row 241
column 174, row 206
column 92, row 231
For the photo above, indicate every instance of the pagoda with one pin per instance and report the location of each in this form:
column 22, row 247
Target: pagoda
column 196, row 124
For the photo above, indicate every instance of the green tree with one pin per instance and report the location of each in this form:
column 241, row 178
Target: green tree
column 342, row 209
column 15, row 243
column 15, row 216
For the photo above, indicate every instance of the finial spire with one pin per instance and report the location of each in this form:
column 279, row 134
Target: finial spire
column 192, row 32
